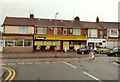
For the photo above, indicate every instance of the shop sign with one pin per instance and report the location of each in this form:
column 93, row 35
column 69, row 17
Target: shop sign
column 40, row 38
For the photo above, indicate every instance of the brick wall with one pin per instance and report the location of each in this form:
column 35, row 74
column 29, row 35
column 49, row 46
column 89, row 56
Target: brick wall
column 17, row 49
column 84, row 31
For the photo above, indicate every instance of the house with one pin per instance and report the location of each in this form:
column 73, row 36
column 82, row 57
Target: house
column 111, row 33
column 35, row 34
column 38, row 35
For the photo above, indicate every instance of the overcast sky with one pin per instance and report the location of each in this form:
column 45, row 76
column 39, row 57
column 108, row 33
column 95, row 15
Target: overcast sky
column 87, row 10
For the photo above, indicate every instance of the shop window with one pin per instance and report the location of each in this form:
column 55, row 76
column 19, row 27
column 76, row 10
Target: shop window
column 9, row 42
column 18, row 42
column 1, row 42
column 27, row 42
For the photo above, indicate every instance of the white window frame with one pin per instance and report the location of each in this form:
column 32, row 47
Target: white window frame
column 23, row 30
column 41, row 30
column 76, row 31
column 93, row 34
column 110, row 34
column 64, row 29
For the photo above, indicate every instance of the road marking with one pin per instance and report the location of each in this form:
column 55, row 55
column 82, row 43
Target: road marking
column 9, row 75
column 20, row 63
column 13, row 75
column 37, row 62
column 69, row 64
column 92, row 76
column 11, row 63
column 29, row 63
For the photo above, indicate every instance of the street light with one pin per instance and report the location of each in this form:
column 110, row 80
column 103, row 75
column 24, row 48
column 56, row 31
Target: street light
column 56, row 23
column 56, row 33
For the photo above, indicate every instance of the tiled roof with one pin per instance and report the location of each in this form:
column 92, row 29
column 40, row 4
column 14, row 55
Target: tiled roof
column 109, row 25
column 59, row 23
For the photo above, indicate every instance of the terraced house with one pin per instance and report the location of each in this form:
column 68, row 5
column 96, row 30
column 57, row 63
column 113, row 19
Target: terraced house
column 38, row 35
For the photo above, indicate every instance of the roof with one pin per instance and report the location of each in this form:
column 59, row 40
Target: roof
column 16, row 21
column 109, row 25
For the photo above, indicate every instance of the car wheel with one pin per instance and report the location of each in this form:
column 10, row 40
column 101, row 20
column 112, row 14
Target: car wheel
column 101, row 52
column 78, row 52
column 82, row 53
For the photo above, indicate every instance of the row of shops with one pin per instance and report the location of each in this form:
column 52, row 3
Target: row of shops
column 41, row 43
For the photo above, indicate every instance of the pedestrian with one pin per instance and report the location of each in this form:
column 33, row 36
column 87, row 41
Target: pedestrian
column 91, row 52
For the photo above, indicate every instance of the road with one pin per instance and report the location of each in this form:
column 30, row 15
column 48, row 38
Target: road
column 100, row 69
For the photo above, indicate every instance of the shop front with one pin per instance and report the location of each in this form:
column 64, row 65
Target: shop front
column 17, row 43
column 57, row 43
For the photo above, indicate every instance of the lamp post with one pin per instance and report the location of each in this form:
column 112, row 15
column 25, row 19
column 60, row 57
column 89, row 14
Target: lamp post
column 55, row 32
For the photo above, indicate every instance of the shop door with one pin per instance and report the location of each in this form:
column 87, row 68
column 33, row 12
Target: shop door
column 71, row 46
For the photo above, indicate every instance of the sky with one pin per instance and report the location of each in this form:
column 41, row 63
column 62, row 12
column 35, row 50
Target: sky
column 87, row 10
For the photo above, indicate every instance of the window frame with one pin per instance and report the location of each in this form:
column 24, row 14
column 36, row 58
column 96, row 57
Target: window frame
column 64, row 29
column 41, row 30
column 76, row 30
column 90, row 33
column 23, row 30
column 109, row 32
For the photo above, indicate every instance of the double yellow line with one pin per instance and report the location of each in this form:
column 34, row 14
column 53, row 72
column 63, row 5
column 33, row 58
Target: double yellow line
column 11, row 74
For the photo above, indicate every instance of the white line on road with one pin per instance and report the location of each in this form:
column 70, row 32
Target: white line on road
column 11, row 63
column 20, row 63
column 69, row 64
column 29, row 63
column 92, row 76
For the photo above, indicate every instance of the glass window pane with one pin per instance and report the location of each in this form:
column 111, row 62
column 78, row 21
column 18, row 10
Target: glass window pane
column 18, row 42
column 9, row 43
column 27, row 42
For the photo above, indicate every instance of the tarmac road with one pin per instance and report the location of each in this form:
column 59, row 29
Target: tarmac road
column 100, row 69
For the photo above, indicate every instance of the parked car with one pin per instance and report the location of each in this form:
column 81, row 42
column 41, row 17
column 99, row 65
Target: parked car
column 114, row 52
column 102, row 50
column 83, row 50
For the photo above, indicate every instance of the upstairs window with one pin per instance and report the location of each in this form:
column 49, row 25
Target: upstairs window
column 41, row 30
column 112, row 32
column 101, row 34
column 55, row 31
column 76, row 31
column 65, row 31
column 92, row 32
column 23, row 30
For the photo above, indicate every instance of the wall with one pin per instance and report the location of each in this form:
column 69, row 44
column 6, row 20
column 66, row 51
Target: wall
column 17, row 49
column 15, row 29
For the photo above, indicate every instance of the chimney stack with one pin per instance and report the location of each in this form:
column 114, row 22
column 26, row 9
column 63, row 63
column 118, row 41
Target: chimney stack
column 77, row 18
column 97, row 19
column 31, row 15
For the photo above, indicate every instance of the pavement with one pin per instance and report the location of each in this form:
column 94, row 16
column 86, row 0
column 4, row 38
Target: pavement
column 46, row 55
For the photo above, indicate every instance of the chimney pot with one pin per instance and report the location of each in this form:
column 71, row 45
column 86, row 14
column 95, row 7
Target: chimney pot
column 97, row 19
column 77, row 18
column 31, row 15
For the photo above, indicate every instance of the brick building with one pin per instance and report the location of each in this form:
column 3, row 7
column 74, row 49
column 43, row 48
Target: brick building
column 37, row 35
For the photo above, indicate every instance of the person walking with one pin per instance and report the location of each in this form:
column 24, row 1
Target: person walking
column 91, row 52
